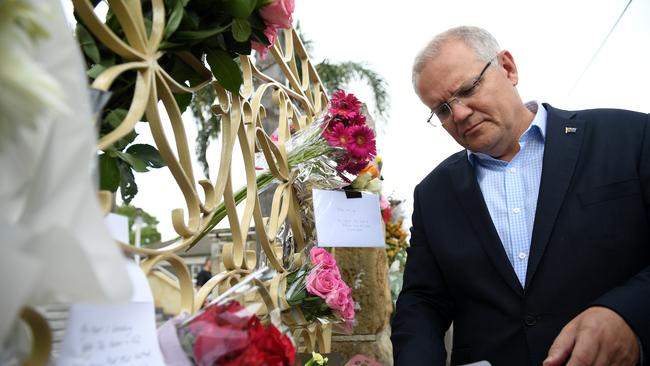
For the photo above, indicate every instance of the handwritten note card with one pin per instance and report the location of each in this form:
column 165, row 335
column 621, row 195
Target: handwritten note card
column 107, row 335
column 347, row 222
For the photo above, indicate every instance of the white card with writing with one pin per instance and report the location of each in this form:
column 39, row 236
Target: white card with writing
column 105, row 335
column 348, row 222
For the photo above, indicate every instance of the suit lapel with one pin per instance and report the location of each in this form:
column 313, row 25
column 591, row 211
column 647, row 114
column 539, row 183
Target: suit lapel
column 562, row 147
column 469, row 194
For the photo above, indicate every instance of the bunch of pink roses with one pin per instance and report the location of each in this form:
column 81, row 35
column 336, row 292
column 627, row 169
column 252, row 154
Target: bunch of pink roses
column 276, row 14
column 345, row 127
column 319, row 291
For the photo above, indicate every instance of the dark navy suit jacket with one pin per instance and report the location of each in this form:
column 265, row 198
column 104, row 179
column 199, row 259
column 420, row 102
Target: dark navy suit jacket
column 590, row 246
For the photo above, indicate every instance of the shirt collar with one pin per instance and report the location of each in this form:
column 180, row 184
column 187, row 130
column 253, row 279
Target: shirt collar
column 538, row 124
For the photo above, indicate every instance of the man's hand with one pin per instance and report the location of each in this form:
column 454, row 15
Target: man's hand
column 598, row 336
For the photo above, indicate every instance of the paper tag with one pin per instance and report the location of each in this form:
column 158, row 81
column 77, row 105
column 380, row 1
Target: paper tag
column 118, row 226
column 348, row 222
column 101, row 334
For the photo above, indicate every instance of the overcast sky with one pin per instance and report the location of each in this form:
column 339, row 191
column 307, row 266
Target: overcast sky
column 552, row 43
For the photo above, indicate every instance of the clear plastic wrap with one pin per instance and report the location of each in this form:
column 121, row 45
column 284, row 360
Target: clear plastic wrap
column 228, row 333
column 318, row 290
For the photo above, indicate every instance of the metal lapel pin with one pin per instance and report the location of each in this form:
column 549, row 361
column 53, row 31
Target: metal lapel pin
column 568, row 130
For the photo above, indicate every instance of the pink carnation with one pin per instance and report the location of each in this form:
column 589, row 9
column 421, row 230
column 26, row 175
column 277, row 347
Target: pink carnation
column 322, row 282
column 278, row 13
column 321, row 257
column 362, row 142
column 271, row 33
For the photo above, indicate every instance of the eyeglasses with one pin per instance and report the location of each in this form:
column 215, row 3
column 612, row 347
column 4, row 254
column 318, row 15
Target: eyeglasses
column 444, row 111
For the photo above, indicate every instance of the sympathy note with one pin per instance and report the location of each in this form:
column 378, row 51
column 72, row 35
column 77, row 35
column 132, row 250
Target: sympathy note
column 347, row 222
column 106, row 335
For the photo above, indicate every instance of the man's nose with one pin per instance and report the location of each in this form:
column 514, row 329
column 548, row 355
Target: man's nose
column 459, row 111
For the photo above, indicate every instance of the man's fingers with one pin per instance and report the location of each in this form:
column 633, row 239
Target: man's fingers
column 562, row 346
column 585, row 351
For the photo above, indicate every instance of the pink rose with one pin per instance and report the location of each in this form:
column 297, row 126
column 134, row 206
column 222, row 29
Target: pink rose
column 348, row 312
column 321, row 257
column 271, row 33
column 339, row 299
column 278, row 13
column 322, row 282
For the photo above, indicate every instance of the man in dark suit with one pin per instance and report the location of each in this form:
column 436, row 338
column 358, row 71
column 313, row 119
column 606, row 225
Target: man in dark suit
column 534, row 240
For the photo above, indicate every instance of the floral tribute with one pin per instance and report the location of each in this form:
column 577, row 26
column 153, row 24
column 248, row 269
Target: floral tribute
column 229, row 335
column 346, row 128
column 330, row 152
column 318, row 290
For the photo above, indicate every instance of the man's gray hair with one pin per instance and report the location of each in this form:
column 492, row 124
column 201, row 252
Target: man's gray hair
column 478, row 39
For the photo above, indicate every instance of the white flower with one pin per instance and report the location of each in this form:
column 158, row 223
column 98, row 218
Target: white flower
column 320, row 360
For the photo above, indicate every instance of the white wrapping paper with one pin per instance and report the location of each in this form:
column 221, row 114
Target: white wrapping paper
column 55, row 246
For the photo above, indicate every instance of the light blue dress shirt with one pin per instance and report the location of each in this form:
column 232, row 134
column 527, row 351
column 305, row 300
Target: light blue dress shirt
column 510, row 190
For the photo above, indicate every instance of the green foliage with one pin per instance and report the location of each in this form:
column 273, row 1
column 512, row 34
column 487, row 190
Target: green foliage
column 338, row 75
column 149, row 232
column 225, row 69
column 207, row 124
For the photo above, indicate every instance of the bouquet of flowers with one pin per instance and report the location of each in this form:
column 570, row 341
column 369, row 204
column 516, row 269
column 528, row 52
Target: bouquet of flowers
column 224, row 334
column 396, row 235
column 328, row 153
column 318, row 290
column 230, row 335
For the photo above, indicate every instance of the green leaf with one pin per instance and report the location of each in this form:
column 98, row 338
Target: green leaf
column 241, row 30
column 241, row 48
column 136, row 163
column 128, row 188
column 225, row 70
column 174, row 19
column 199, row 35
column 261, row 3
column 148, row 154
column 109, row 173
column 115, row 117
column 87, row 43
column 94, row 71
column 183, row 100
column 240, row 8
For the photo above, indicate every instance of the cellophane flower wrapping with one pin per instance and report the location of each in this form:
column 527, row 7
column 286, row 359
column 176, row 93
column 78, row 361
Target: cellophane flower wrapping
column 318, row 290
column 227, row 332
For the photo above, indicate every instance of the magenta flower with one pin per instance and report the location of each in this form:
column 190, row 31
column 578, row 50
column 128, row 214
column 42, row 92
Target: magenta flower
column 338, row 135
column 362, row 142
column 344, row 105
column 352, row 166
column 358, row 118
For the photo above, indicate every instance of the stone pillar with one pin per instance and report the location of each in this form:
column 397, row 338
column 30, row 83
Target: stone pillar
column 365, row 270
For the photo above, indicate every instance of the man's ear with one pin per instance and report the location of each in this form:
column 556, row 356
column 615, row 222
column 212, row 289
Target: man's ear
column 507, row 62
